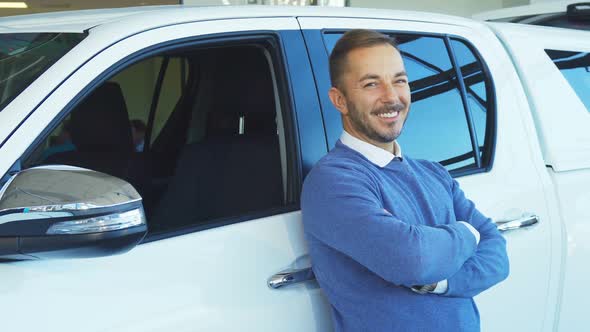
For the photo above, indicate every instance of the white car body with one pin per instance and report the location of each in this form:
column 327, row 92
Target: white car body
column 216, row 279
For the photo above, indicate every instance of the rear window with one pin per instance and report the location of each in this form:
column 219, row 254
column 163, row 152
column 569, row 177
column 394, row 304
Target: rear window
column 575, row 67
column 452, row 113
column 25, row 56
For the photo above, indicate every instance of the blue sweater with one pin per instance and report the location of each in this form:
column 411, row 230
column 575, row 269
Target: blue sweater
column 374, row 232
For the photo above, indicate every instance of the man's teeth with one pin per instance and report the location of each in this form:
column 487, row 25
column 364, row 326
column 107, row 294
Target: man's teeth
column 388, row 115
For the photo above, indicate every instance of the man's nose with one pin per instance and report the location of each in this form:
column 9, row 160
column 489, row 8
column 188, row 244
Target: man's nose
column 389, row 93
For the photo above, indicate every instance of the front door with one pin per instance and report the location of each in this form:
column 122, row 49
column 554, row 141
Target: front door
column 212, row 108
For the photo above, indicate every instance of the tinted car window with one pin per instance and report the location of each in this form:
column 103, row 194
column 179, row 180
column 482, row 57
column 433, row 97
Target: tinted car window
column 575, row 67
column 217, row 154
column 476, row 89
column 438, row 127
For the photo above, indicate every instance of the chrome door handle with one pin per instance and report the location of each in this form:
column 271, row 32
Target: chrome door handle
column 290, row 277
column 509, row 225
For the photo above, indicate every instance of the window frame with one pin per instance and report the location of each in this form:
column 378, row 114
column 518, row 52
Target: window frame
column 269, row 40
column 487, row 157
column 488, row 152
column 164, row 68
column 155, row 101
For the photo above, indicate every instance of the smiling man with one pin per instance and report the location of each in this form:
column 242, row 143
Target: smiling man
column 395, row 244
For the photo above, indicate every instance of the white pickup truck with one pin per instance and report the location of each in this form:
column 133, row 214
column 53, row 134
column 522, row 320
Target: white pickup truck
column 215, row 116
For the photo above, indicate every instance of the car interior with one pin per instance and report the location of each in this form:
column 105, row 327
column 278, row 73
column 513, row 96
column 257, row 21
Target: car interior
column 214, row 147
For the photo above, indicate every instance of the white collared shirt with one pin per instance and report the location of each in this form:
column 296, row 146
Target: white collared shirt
column 374, row 154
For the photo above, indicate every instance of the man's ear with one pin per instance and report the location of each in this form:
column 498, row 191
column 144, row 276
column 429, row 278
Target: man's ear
column 338, row 99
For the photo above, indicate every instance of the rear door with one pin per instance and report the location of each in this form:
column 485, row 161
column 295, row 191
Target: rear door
column 220, row 170
column 554, row 65
column 470, row 113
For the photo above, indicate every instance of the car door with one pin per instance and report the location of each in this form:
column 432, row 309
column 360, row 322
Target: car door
column 554, row 68
column 470, row 114
column 195, row 271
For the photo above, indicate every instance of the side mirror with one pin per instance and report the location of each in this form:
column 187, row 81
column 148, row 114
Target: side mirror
column 68, row 212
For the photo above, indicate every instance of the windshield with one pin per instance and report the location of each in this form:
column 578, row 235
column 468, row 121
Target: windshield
column 25, row 56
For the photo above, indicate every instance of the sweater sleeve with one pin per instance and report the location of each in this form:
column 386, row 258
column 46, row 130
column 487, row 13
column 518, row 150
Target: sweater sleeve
column 489, row 265
column 341, row 209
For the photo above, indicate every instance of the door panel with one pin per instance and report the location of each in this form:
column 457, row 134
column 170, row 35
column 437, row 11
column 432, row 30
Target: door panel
column 515, row 184
column 211, row 280
column 561, row 82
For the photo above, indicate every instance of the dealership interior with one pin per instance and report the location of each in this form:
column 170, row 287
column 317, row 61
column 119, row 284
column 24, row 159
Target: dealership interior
column 465, row 8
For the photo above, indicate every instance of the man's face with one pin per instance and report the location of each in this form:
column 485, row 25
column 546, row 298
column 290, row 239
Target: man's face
column 374, row 95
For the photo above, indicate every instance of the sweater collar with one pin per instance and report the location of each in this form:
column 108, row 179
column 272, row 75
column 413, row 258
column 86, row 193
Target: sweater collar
column 374, row 154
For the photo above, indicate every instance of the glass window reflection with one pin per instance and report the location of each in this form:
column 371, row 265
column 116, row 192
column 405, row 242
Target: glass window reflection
column 475, row 86
column 437, row 127
column 575, row 67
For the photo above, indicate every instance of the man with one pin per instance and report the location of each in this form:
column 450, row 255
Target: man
column 59, row 143
column 138, row 129
column 395, row 244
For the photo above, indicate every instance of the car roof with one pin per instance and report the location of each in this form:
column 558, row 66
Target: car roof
column 534, row 9
column 135, row 19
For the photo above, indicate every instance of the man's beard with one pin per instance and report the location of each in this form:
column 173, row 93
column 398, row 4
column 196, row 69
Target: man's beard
column 361, row 123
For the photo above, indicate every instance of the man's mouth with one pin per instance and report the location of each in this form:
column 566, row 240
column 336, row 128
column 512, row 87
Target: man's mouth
column 388, row 115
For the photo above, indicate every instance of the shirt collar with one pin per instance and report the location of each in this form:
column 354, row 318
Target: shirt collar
column 374, row 154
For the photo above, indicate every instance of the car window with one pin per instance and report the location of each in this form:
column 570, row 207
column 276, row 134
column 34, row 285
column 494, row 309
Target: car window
column 173, row 82
column 442, row 125
column 217, row 154
column 436, row 128
column 138, row 86
column 575, row 67
column 476, row 86
column 25, row 56
column 156, row 82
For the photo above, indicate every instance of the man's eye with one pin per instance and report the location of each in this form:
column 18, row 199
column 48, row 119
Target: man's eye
column 370, row 84
column 402, row 81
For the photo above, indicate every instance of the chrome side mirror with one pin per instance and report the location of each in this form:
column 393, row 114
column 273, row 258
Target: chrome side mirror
column 65, row 212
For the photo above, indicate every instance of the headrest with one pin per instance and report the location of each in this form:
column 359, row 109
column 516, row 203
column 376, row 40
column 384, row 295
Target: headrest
column 227, row 124
column 101, row 123
column 242, row 88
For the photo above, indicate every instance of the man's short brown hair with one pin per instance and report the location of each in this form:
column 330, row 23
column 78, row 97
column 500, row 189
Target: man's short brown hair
column 351, row 40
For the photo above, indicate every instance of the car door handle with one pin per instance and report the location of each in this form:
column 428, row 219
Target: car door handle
column 509, row 225
column 290, row 277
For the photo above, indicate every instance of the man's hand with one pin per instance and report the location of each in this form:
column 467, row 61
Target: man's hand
column 442, row 286
column 424, row 289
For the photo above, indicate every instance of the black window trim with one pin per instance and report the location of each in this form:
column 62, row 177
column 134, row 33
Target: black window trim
column 466, row 108
column 490, row 134
column 488, row 156
column 154, row 105
column 286, row 102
